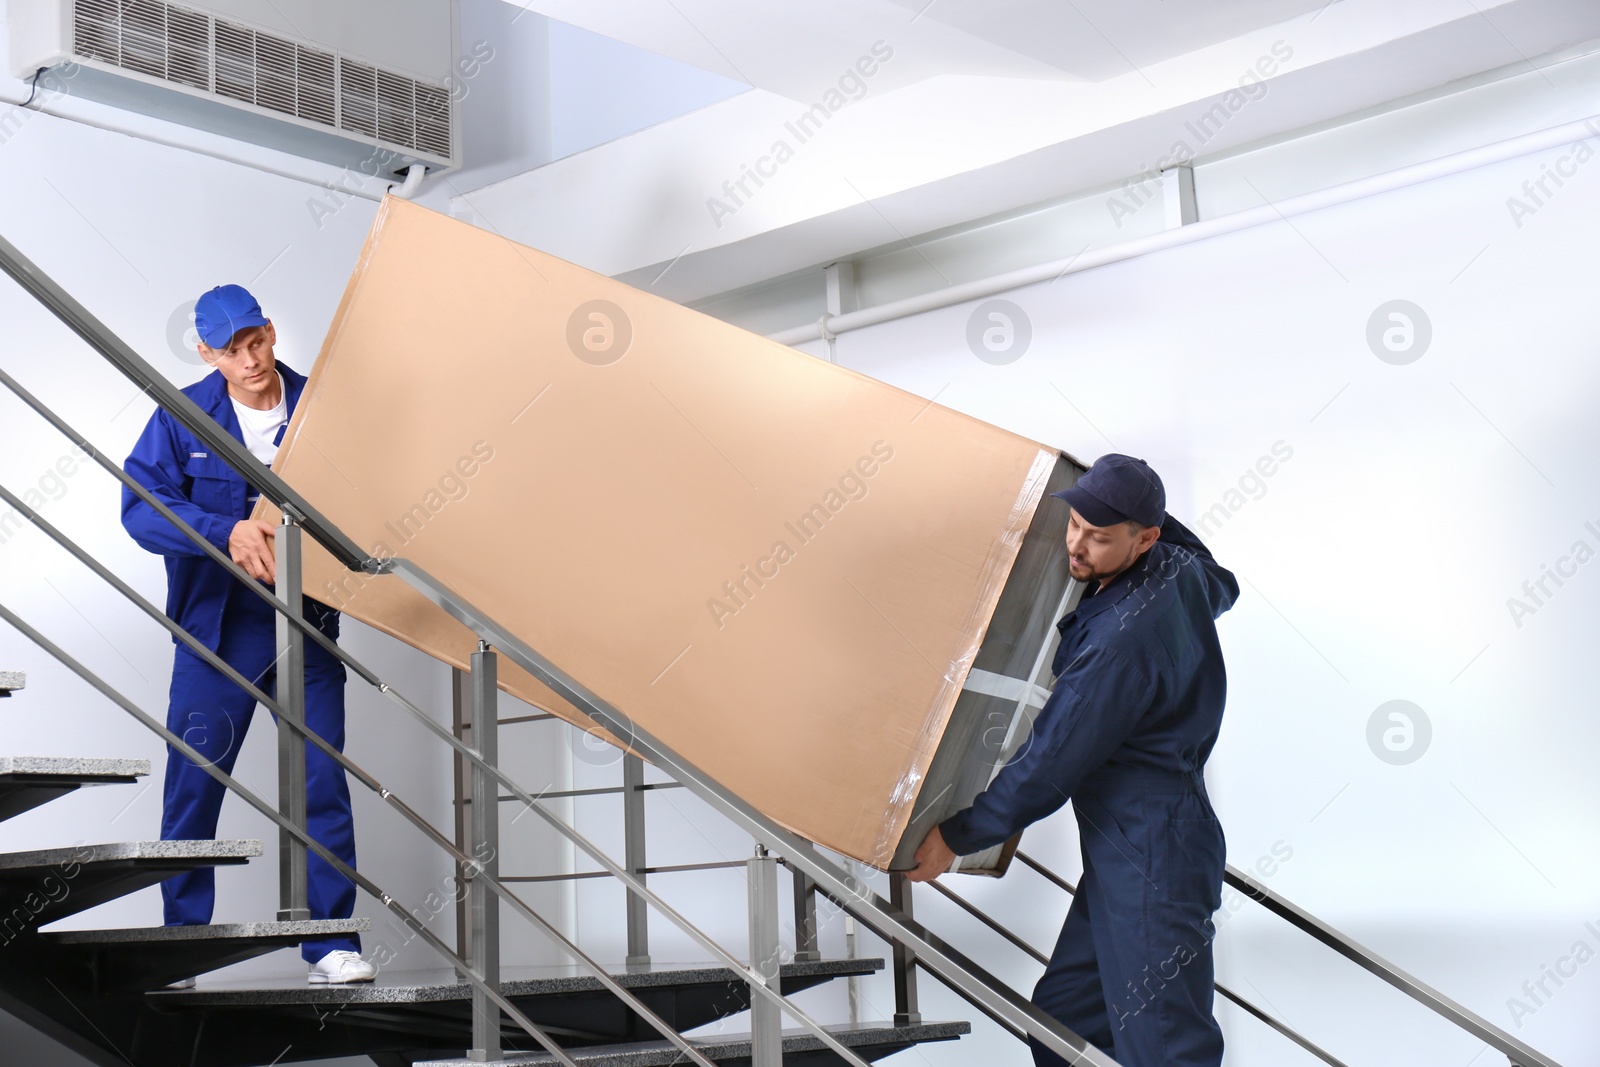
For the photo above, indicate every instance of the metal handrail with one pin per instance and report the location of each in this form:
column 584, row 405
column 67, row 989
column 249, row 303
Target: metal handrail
column 1520, row 1054
column 984, row 917
column 599, row 791
column 287, row 826
column 361, row 775
column 120, row 355
column 222, row 559
column 844, row 904
column 757, row 984
column 677, row 868
column 1049, row 875
column 389, row 796
column 972, row 909
column 889, row 922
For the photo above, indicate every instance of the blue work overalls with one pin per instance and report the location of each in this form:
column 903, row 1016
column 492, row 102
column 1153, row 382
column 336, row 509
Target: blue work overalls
column 1133, row 715
column 209, row 712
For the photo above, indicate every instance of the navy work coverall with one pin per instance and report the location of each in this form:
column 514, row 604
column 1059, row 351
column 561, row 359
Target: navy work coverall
column 207, row 710
column 1133, row 715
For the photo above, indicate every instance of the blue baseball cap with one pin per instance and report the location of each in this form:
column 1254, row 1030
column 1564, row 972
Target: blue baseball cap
column 223, row 312
column 1118, row 488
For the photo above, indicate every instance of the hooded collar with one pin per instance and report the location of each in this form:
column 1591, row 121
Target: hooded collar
column 1099, row 600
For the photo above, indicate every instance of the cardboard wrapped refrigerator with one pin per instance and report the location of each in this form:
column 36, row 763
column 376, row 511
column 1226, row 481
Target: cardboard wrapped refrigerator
column 831, row 595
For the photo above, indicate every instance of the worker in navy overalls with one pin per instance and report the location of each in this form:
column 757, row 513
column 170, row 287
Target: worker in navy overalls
column 1125, row 735
column 251, row 396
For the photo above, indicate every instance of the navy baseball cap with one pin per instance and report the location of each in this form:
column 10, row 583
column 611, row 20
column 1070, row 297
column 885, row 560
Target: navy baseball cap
column 223, row 312
column 1118, row 488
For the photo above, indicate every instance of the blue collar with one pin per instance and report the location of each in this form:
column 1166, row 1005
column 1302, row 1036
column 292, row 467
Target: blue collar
column 210, row 394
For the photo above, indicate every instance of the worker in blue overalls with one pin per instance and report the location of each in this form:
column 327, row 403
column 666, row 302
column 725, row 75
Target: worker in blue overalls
column 250, row 395
column 1134, row 713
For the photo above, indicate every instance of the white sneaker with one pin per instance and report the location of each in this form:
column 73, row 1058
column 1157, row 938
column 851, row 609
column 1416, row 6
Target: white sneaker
column 182, row 983
column 341, row 967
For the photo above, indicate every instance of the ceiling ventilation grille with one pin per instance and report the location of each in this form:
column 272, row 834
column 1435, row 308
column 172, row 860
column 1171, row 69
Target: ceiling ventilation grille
column 238, row 63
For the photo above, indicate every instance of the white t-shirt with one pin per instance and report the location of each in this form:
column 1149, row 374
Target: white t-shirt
column 261, row 427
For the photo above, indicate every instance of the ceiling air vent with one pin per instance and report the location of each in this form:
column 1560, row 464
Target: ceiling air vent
column 220, row 59
column 258, row 68
column 393, row 108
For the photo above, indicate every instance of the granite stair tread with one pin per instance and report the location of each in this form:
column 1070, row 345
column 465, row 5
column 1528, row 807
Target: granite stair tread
column 428, row 1014
column 43, row 885
column 143, row 958
column 26, row 782
column 117, row 851
column 873, row 1040
column 396, row 989
column 74, row 766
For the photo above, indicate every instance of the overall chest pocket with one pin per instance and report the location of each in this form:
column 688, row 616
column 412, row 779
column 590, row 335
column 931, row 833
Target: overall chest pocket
column 211, row 484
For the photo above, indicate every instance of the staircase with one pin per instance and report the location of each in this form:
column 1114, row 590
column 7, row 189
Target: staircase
column 86, row 988
column 106, row 993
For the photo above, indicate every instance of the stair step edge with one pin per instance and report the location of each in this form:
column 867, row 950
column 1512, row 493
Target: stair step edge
column 74, row 766
column 130, row 850
column 214, row 931
column 434, row 992
column 725, row 1046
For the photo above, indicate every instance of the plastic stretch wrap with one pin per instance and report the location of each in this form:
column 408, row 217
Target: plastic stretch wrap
column 780, row 567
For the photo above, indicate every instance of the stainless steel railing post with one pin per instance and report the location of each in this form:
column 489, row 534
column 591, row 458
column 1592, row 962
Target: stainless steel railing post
column 293, row 892
column 461, row 803
column 633, row 843
column 906, row 1012
column 766, row 958
column 805, row 918
column 486, row 856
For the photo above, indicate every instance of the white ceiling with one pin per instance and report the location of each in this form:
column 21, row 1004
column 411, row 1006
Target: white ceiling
column 794, row 48
column 986, row 106
column 1099, row 39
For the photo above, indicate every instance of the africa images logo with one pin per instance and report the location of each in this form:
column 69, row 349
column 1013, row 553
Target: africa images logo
column 1399, row 332
column 1399, row 732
